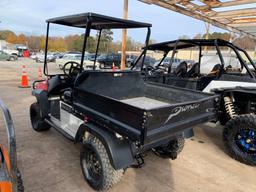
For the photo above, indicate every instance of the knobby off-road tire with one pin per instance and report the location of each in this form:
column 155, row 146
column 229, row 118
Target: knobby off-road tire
column 38, row 123
column 237, row 140
column 171, row 149
column 106, row 176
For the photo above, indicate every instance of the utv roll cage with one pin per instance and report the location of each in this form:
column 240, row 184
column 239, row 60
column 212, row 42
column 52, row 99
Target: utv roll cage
column 168, row 46
column 94, row 21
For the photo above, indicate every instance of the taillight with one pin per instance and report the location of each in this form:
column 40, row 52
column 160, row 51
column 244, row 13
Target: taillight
column 42, row 85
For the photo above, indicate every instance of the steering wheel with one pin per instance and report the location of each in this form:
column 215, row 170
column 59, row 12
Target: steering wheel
column 149, row 70
column 71, row 68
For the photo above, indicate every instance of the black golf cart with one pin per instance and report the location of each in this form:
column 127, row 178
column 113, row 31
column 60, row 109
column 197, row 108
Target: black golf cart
column 224, row 69
column 114, row 114
column 10, row 177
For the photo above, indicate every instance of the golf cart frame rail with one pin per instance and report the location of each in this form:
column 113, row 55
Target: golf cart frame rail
column 168, row 46
column 97, row 22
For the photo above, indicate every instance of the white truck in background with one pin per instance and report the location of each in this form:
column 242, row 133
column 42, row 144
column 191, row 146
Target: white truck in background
column 6, row 49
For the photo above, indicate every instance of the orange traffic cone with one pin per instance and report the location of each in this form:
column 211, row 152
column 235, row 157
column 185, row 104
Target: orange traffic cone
column 113, row 67
column 24, row 78
column 40, row 75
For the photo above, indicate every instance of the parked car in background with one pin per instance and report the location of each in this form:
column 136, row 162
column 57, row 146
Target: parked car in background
column 76, row 57
column 106, row 61
column 50, row 58
column 130, row 58
column 11, row 51
column 58, row 55
column 91, row 56
column 149, row 61
column 167, row 63
column 7, row 57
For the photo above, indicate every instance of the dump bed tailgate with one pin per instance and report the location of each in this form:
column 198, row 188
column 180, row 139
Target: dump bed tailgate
column 168, row 121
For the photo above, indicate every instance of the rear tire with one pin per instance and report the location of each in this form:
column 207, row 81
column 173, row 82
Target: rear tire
column 96, row 166
column 171, row 149
column 38, row 123
column 239, row 136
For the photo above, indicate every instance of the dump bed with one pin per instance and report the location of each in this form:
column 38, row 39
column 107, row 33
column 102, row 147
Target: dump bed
column 145, row 112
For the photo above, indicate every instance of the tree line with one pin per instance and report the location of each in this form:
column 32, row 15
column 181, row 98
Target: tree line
column 243, row 42
column 107, row 45
column 70, row 42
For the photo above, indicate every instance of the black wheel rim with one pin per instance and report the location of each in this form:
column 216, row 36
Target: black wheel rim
column 92, row 165
column 246, row 140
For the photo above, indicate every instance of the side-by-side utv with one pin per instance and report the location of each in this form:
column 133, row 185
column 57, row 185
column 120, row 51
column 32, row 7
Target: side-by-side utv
column 223, row 69
column 114, row 114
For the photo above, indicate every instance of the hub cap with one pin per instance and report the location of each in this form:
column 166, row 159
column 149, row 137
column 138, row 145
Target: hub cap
column 246, row 140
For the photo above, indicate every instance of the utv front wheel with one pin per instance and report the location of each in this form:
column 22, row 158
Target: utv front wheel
column 171, row 149
column 38, row 123
column 239, row 136
column 96, row 166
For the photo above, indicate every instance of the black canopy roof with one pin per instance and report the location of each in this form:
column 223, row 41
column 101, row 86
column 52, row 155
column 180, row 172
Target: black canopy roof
column 187, row 43
column 97, row 21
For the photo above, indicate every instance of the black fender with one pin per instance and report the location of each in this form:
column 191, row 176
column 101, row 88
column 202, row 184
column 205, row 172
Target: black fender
column 42, row 99
column 120, row 152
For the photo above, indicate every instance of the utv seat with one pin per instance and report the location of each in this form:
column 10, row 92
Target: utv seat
column 57, row 84
column 67, row 96
column 181, row 69
column 194, row 71
column 215, row 70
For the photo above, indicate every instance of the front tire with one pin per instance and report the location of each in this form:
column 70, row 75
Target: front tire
column 11, row 59
column 38, row 123
column 239, row 136
column 96, row 166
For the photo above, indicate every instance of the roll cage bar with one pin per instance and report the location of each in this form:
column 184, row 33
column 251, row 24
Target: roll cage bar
column 168, row 46
column 94, row 21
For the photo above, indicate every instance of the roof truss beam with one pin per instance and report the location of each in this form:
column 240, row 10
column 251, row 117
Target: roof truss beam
column 233, row 20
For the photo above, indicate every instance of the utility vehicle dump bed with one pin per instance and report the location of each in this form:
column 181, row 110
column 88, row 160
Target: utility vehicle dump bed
column 145, row 112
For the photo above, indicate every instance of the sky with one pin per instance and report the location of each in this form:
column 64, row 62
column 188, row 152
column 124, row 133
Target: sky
column 29, row 17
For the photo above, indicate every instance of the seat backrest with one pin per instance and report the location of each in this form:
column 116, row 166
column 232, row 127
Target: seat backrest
column 216, row 70
column 194, row 71
column 181, row 69
column 216, row 67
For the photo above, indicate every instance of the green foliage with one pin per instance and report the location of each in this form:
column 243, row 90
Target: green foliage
column 72, row 42
column 217, row 35
column 105, row 41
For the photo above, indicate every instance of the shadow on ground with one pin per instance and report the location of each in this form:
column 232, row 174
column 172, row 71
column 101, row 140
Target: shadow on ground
column 156, row 175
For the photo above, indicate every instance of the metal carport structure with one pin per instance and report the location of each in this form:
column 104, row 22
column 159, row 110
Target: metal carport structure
column 232, row 17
